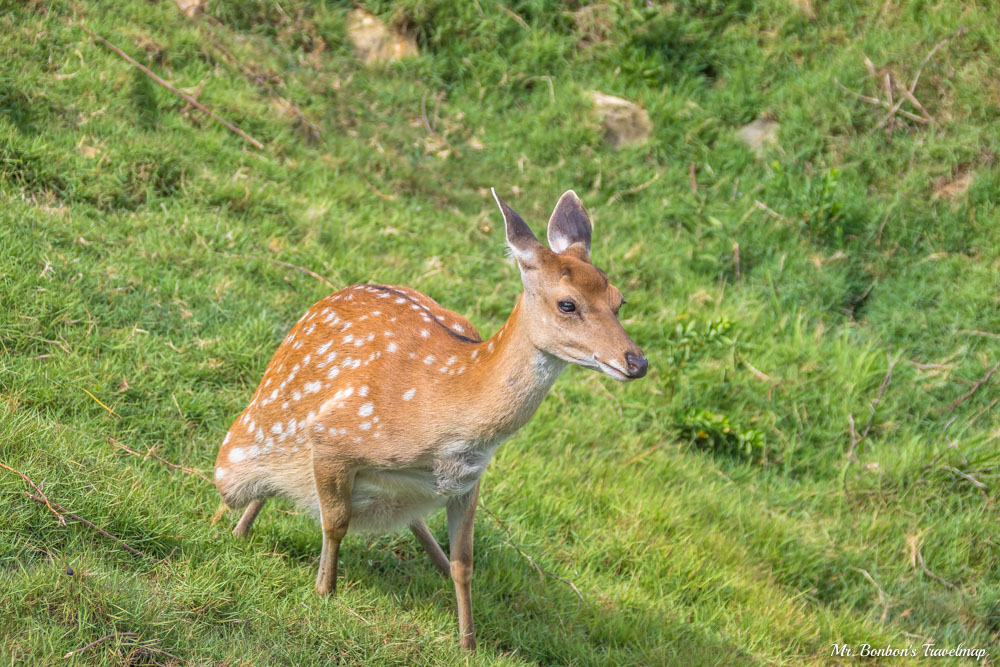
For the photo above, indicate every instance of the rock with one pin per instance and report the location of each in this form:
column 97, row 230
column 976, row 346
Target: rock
column 625, row 123
column 374, row 42
column 758, row 134
column 191, row 8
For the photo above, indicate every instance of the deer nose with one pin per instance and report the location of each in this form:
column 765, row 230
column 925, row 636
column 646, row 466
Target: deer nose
column 636, row 364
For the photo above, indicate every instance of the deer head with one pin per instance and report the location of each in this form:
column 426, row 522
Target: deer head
column 569, row 304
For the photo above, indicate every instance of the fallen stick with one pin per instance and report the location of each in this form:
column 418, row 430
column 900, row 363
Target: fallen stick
column 927, row 58
column 184, row 96
column 882, row 103
column 431, row 130
column 42, row 497
column 151, row 453
column 255, row 77
column 98, row 641
column 531, row 561
column 923, row 566
column 77, row 517
column 975, row 387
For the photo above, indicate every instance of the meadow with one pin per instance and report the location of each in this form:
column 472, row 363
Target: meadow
column 812, row 459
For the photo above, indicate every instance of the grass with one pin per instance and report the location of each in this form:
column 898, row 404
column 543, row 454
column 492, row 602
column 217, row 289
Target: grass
column 715, row 512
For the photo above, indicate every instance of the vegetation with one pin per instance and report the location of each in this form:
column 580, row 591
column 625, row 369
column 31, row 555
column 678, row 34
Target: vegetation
column 812, row 459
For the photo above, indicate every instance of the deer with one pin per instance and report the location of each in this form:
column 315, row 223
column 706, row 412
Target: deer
column 381, row 406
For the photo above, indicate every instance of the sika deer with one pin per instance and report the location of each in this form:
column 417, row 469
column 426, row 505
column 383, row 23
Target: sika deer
column 381, row 406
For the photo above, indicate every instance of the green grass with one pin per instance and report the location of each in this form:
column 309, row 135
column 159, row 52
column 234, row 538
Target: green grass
column 708, row 514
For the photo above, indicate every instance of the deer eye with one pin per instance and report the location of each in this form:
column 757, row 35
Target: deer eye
column 567, row 306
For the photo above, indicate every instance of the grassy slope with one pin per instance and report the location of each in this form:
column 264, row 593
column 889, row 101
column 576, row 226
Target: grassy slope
column 707, row 513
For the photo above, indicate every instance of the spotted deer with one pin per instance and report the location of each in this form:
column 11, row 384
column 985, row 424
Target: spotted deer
column 381, row 406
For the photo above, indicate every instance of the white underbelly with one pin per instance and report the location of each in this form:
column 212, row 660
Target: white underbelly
column 384, row 500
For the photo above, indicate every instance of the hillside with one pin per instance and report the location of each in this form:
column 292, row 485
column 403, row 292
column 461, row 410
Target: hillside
column 812, row 459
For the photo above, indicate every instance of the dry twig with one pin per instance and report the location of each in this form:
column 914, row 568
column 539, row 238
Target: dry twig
column 433, row 132
column 42, row 497
column 882, row 103
column 151, row 454
column 923, row 566
column 975, row 387
column 290, row 266
column 258, row 79
column 531, row 561
column 77, row 517
column 184, row 96
column 98, row 641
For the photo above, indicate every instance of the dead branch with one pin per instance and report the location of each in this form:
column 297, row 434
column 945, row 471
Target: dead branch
column 767, row 209
column 975, row 387
column 98, row 641
column 930, row 54
column 520, row 21
column 184, row 96
column 434, row 133
column 42, row 497
column 531, row 561
column 77, row 517
column 258, row 79
column 923, row 566
column 972, row 480
column 151, row 454
column 882, row 103
column 290, row 266
column 878, row 397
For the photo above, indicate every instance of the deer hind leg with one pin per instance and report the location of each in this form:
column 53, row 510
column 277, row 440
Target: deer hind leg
column 423, row 535
column 461, row 516
column 334, row 482
column 242, row 529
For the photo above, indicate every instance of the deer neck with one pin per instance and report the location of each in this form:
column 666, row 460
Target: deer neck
column 508, row 378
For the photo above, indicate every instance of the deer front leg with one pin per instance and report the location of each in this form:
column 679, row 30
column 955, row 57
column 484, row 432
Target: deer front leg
column 333, row 487
column 242, row 528
column 423, row 535
column 461, row 516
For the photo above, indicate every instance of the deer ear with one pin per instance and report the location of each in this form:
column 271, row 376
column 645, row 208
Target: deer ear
column 520, row 239
column 570, row 225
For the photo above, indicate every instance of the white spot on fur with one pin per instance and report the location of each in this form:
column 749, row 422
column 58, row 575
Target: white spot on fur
column 220, row 472
column 366, row 409
column 313, row 387
column 363, row 391
column 429, row 359
column 324, row 347
column 226, row 439
column 391, row 347
column 364, row 426
column 425, row 333
column 452, row 360
column 296, row 395
column 410, row 393
column 276, row 428
column 237, row 454
column 348, row 338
